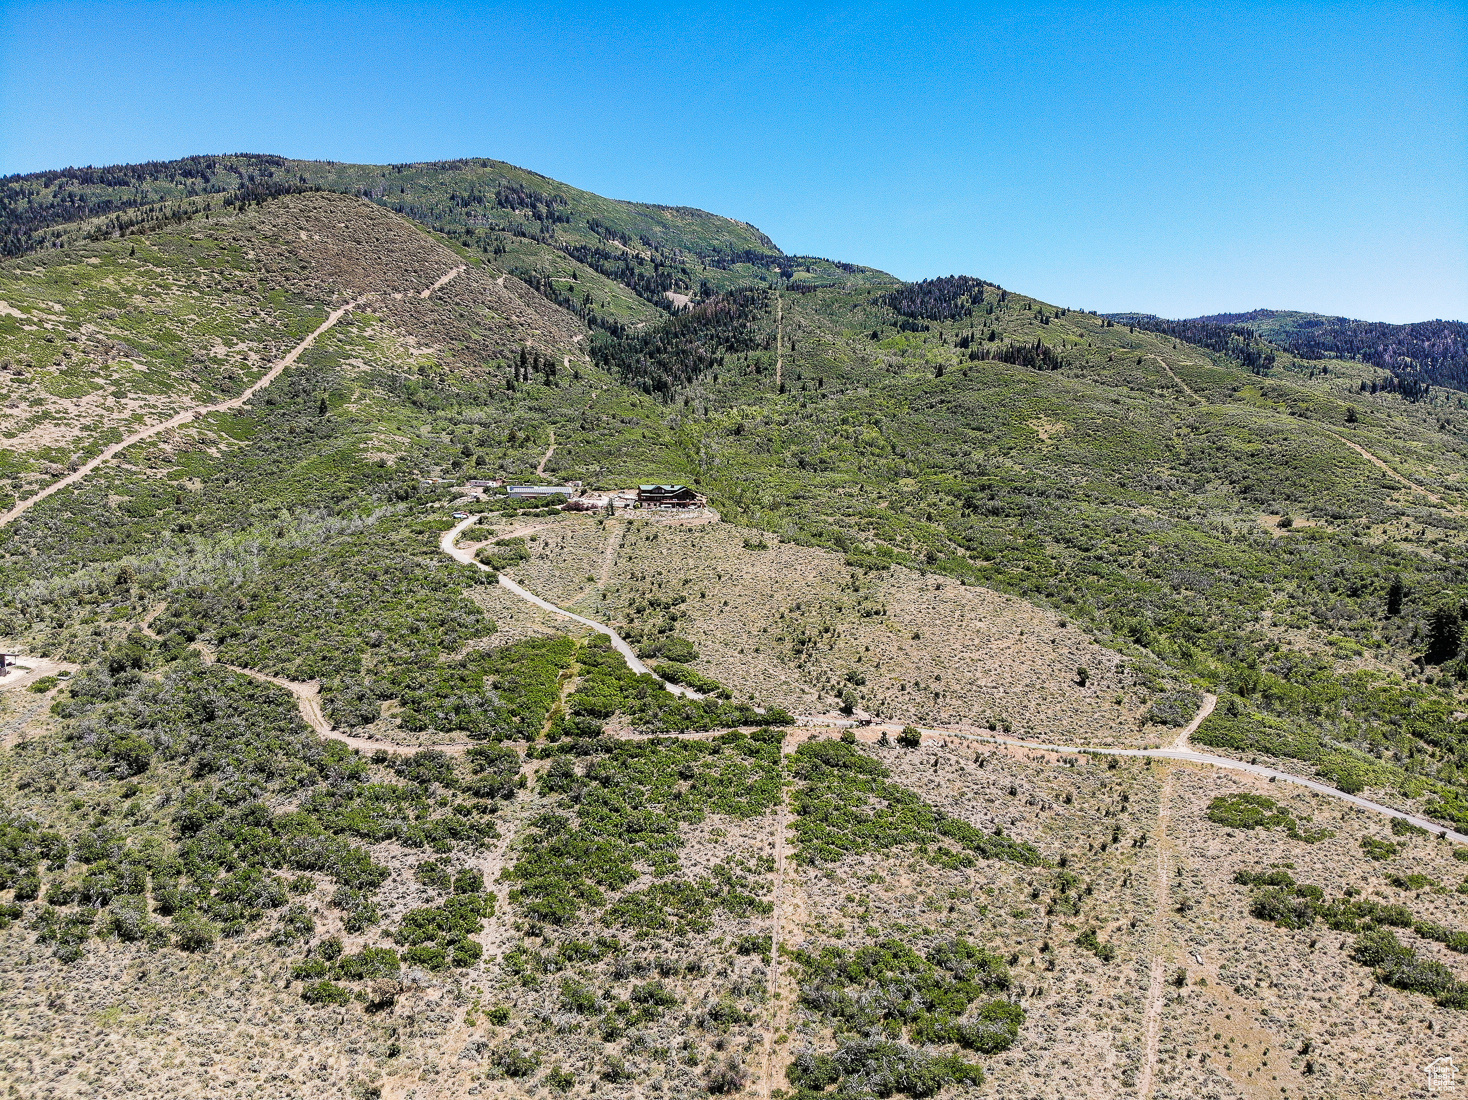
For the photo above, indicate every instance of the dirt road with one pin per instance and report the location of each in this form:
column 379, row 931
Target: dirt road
column 1379, row 464
column 449, row 544
column 180, row 419
column 1180, row 383
column 1191, row 756
column 1209, row 702
column 442, row 280
column 188, row 415
column 785, row 913
column 1152, row 1017
column 308, row 703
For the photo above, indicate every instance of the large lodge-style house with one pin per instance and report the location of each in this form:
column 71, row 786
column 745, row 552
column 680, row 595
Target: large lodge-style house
column 668, row 496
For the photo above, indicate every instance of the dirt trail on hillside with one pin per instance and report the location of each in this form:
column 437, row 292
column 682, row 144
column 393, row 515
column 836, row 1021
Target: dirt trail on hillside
column 443, row 280
column 784, row 925
column 778, row 1013
column 308, row 696
column 779, row 341
column 198, row 411
column 1153, row 1014
column 181, row 418
column 1377, row 462
column 1209, row 702
column 1188, row 756
column 614, row 546
column 449, row 545
column 308, row 702
column 1180, row 383
column 540, row 470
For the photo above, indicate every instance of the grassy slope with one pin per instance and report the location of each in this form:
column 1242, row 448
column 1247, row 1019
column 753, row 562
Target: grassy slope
column 1105, row 490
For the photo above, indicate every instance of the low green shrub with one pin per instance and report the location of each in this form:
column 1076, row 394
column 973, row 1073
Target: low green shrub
column 844, row 805
column 1257, row 811
column 937, row 991
column 438, row 936
column 325, row 993
column 558, row 1079
column 1400, row 966
column 1092, row 943
column 881, row 1067
column 620, row 809
column 1378, row 849
column 515, row 1063
column 754, row 944
column 675, row 673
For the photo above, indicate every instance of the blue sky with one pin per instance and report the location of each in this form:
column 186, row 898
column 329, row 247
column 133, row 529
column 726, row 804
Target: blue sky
column 1178, row 159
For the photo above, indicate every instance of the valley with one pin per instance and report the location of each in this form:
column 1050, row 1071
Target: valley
column 1043, row 703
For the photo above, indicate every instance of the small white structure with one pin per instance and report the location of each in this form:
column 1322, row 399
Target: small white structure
column 530, row 492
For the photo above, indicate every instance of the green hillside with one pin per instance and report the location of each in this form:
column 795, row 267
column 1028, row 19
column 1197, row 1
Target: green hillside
column 489, row 809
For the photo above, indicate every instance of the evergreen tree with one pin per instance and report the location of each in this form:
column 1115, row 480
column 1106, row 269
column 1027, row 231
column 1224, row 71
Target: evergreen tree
column 1444, row 635
column 1394, row 593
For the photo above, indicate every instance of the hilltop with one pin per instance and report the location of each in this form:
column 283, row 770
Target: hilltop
column 1410, row 358
column 298, row 798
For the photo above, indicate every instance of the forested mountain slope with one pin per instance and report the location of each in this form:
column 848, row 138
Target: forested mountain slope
column 299, row 787
column 1412, row 357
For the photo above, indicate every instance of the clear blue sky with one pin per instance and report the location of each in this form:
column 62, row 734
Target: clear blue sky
column 1178, row 159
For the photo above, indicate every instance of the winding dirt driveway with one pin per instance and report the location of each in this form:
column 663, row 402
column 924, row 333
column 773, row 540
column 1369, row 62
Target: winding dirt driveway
column 449, row 544
column 308, row 703
column 1180, row 751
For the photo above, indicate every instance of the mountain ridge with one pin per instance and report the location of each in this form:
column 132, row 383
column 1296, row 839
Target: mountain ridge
column 941, row 504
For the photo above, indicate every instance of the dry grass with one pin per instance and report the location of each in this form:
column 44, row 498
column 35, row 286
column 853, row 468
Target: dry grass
column 126, row 1021
column 929, row 650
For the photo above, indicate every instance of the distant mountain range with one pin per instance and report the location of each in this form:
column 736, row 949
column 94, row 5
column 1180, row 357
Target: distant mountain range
column 1428, row 353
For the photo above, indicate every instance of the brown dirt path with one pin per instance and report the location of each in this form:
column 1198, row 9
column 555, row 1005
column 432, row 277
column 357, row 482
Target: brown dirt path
column 449, row 544
column 181, row 418
column 1178, row 752
column 1209, row 702
column 188, row 415
column 443, row 280
column 1180, row 383
column 1187, row 756
column 540, row 469
column 784, row 920
column 1391, row 472
column 614, row 546
column 1379, row 463
column 308, row 702
column 779, row 341
column 1153, row 1013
